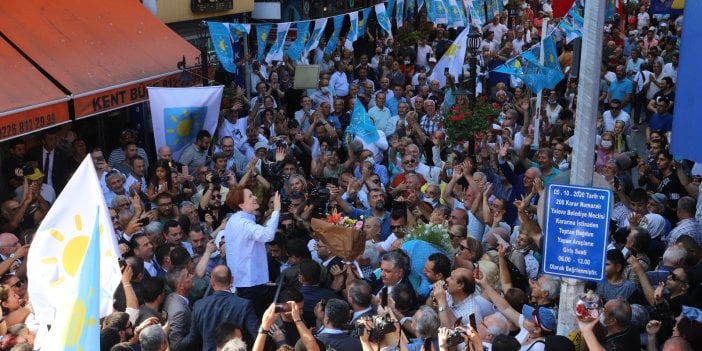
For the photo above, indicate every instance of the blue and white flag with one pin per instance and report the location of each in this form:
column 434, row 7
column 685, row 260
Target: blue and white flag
column 437, row 12
column 317, row 33
column 512, row 67
column 363, row 21
column 611, row 10
column 178, row 114
column 238, row 30
column 453, row 59
column 303, row 34
column 361, row 125
column 399, row 18
column 276, row 51
column 262, row 31
column 686, row 142
column 578, row 19
column 353, row 34
column 383, row 19
column 477, row 13
column 456, row 15
column 334, row 38
column 390, row 7
column 570, row 32
column 72, row 265
column 221, row 41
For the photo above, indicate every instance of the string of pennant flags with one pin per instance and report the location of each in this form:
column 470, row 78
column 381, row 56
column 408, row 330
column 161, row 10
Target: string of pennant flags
column 452, row 13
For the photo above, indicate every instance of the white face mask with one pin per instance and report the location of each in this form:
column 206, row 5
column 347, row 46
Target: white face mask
column 606, row 144
column 602, row 319
column 407, row 63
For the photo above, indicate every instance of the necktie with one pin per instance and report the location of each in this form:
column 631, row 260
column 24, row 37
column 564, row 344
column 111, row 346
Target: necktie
column 46, row 167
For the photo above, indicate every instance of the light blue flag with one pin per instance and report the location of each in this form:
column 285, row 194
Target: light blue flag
column 534, row 76
column 491, row 10
column 456, row 17
column 262, row 31
column 449, row 98
column 361, row 125
column 437, row 12
column 686, row 142
column 390, row 7
column 317, row 33
column 334, row 38
column 238, row 30
column 303, row 34
column 477, row 12
column 611, row 10
column 513, row 67
column 353, row 34
column 276, row 51
column 383, row 19
column 363, row 21
column 570, row 32
column 399, row 18
column 221, row 41
column 410, row 9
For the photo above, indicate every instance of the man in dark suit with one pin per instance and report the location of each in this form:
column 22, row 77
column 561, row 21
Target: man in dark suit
column 336, row 315
column 57, row 168
column 392, row 274
column 311, row 291
column 359, row 297
column 221, row 306
column 177, row 306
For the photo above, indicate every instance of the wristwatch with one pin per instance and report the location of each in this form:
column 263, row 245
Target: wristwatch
column 442, row 309
column 262, row 331
column 12, row 256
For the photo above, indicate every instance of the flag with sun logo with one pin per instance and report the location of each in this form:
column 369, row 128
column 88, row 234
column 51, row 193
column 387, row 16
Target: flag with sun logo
column 72, row 265
column 178, row 114
column 453, row 59
column 221, row 41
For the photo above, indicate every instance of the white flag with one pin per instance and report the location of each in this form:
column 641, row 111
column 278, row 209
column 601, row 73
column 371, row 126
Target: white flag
column 178, row 114
column 453, row 59
column 276, row 51
column 76, row 232
column 353, row 34
column 317, row 33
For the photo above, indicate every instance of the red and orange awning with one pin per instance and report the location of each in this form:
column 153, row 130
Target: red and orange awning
column 78, row 58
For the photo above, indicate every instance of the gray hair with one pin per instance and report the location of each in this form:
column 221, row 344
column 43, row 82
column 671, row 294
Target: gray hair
column 360, row 292
column 639, row 316
column 117, row 199
column 497, row 324
column 125, row 215
column 371, row 252
column 674, row 255
column 187, row 204
column 173, row 277
column 428, row 322
column 153, row 228
column 396, row 258
column 235, row 344
column 152, row 338
column 621, row 312
column 552, row 286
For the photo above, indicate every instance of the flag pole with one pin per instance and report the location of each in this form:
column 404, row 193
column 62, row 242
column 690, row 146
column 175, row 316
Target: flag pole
column 537, row 119
column 584, row 148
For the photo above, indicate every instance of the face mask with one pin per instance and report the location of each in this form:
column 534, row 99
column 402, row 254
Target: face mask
column 606, row 144
column 324, row 90
column 407, row 63
column 371, row 160
column 552, row 102
column 337, row 58
column 602, row 319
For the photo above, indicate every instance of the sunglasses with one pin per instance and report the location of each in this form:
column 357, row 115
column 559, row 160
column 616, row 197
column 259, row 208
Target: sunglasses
column 409, row 162
column 217, row 196
column 675, row 278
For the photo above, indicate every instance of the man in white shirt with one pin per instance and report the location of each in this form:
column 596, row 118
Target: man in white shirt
column 614, row 114
column 496, row 27
column 339, row 80
column 424, row 51
column 304, row 115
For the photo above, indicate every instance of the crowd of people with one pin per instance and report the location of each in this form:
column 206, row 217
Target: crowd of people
column 218, row 245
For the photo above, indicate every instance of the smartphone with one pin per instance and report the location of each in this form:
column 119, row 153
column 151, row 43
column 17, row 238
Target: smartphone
column 144, row 221
column 384, row 297
column 164, row 317
column 471, row 321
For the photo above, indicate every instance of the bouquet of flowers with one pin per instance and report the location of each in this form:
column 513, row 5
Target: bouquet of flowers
column 342, row 234
column 463, row 122
column 435, row 234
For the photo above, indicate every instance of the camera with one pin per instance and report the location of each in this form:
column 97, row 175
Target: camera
column 281, row 143
column 381, row 325
column 319, row 198
column 215, row 178
column 454, row 338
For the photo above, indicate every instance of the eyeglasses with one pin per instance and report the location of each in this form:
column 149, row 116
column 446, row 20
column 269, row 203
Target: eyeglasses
column 675, row 278
column 409, row 162
column 217, row 196
column 462, row 248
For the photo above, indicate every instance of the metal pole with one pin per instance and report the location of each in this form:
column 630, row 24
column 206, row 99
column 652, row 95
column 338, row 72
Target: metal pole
column 537, row 119
column 584, row 147
column 247, row 65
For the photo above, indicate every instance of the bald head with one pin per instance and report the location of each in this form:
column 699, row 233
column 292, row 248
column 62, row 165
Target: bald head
column 8, row 239
column 165, row 153
column 221, row 277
